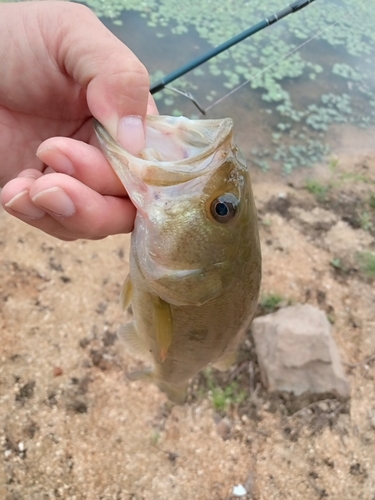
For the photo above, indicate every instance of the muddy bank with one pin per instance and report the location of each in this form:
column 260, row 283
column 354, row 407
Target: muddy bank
column 72, row 426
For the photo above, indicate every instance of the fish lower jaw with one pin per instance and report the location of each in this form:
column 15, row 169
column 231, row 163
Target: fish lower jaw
column 183, row 287
column 159, row 273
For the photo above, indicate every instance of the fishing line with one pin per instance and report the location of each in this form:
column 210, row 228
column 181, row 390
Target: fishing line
column 291, row 9
column 274, row 63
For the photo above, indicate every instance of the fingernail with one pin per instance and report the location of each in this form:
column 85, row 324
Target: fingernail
column 55, row 200
column 131, row 134
column 60, row 162
column 22, row 204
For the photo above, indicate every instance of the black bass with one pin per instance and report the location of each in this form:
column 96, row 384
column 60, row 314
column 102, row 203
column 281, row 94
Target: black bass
column 195, row 262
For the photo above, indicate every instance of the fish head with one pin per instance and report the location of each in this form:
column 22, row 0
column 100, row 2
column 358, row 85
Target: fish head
column 196, row 220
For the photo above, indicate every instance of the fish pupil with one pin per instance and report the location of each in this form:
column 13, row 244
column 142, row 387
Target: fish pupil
column 221, row 209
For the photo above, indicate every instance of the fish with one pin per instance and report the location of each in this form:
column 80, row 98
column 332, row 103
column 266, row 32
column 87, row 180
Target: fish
column 195, row 259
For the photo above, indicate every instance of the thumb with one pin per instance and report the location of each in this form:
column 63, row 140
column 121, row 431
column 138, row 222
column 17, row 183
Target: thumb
column 116, row 82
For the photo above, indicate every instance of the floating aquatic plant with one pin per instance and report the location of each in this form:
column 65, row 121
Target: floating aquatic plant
column 346, row 71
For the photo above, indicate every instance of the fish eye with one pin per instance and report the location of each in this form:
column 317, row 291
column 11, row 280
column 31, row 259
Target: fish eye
column 224, row 208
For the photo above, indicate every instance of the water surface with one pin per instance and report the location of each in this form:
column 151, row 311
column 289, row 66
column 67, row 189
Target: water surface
column 284, row 115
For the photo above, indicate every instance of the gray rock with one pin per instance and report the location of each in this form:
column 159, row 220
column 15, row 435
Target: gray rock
column 297, row 353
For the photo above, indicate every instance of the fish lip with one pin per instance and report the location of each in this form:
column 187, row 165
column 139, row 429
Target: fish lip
column 181, row 170
column 224, row 127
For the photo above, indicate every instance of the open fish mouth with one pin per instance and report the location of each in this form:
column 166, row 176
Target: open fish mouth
column 177, row 150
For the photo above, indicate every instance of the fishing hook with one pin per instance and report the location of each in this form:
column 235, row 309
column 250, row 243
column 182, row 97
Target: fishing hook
column 189, row 95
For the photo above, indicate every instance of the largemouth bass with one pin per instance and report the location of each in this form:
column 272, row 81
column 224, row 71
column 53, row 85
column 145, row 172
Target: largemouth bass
column 195, row 263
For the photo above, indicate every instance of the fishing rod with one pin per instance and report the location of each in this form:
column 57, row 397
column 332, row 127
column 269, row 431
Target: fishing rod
column 161, row 84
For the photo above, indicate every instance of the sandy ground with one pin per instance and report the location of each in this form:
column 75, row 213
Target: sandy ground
column 73, row 427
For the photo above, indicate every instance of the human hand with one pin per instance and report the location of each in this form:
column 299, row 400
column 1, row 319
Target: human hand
column 61, row 66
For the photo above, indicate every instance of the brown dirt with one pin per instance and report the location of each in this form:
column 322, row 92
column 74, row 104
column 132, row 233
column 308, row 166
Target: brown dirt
column 73, row 427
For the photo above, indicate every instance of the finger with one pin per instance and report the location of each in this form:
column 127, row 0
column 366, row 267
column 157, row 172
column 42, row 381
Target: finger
column 117, row 83
column 81, row 161
column 67, row 208
column 80, row 209
column 15, row 196
column 151, row 106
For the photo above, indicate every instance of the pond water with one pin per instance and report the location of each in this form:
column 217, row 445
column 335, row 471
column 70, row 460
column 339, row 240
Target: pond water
column 309, row 74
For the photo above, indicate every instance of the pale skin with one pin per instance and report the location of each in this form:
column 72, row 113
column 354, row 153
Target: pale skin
column 60, row 66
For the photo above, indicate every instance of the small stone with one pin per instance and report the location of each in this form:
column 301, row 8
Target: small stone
column 57, row 371
column 297, row 353
column 78, row 406
column 224, row 428
column 84, row 342
column 323, row 406
column 26, row 392
column 239, row 491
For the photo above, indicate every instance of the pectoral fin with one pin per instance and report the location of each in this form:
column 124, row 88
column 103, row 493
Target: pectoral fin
column 128, row 334
column 163, row 326
column 126, row 293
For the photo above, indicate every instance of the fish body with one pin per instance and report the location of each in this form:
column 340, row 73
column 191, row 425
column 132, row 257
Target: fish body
column 195, row 262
